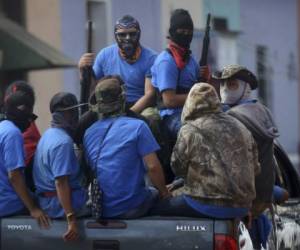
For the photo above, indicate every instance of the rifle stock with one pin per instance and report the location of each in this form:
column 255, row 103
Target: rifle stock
column 87, row 73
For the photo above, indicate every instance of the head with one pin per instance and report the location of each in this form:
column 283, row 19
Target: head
column 236, row 83
column 181, row 28
column 19, row 100
column 202, row 99
column 127, row 34
column 64, row 106
column 109, row 97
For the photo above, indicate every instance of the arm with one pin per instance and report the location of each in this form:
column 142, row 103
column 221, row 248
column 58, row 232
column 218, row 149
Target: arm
column 147, row 99
column 180, row 157
column 64, row 196
column 173, row 100
column 156, row 174
column 17, row 181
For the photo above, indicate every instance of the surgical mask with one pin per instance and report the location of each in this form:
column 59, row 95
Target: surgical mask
column 231, row 96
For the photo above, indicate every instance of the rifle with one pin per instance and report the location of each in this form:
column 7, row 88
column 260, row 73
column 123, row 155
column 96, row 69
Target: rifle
column 204, row 53
column 87, row 74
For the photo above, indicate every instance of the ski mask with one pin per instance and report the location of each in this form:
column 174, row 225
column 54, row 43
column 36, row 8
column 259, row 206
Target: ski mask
column 127, row 35
column 181, row 28
column 18, row 105
column 234, row 91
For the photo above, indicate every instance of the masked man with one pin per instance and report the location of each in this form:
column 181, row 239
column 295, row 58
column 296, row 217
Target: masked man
column 56, row 169
column 216, row 156
column 121, row 150
column 175, row 71
column 236, row 85
column 14, row 196
column 129, row 59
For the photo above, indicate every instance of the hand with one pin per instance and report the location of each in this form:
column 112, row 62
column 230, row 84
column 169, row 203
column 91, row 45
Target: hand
column 42, row 218
column 166, row 194
column 170, row 187
column 72, row 233
column 87, row 59
column 205, row 73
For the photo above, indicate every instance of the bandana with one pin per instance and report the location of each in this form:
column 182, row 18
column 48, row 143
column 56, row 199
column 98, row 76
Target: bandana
column 181, row 55
column 133, row 58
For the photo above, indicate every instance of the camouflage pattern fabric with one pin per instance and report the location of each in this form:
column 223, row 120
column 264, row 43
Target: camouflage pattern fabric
column 214, row 153
column 109, row 96
column 238, row 72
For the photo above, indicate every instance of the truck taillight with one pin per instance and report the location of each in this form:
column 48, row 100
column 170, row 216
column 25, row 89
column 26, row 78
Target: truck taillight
column 225, row 242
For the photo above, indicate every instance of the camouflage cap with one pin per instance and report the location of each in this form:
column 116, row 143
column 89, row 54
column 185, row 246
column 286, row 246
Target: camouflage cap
column 109, row 95
column 202, row 99
column 238, row 72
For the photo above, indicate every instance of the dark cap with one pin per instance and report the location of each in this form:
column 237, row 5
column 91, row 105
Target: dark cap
column 63, row 101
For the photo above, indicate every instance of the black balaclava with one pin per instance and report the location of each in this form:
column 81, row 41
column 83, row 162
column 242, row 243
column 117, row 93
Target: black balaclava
column 128, row 44
column 64, row 102
column 181, row 19
column 18, row 104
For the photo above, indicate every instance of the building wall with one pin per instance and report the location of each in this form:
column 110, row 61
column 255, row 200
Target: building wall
column 73, row 39
column 273, row 23
column 43, row 19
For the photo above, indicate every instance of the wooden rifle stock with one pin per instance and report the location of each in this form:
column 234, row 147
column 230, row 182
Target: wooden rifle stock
column 87, row 74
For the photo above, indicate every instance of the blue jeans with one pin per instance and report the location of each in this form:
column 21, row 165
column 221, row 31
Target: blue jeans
column 175, row 206
column 173, row 124
column 143, row 209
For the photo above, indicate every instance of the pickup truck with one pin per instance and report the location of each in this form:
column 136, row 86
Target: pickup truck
column 163, row 233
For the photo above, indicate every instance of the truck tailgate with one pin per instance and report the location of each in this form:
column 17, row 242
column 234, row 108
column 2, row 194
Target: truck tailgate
column 147, row 233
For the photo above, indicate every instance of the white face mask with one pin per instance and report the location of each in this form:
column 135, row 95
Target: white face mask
column 235, row 91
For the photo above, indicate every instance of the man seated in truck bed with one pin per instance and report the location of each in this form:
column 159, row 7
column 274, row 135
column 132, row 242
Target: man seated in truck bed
column 120, row 150
column 216, row 156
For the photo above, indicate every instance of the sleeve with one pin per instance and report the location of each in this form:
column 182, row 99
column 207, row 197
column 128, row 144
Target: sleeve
column 98, row 65
column 146, row 142
column 180, row 155
column 63, row 160
column 167, row 74
column 151, row 62
column 13, row 151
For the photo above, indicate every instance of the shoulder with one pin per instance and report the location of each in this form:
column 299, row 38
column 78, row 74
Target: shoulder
column 9, row 129
column 108, row 50
column 56, row 137
column 149, row 52
column 166, row 59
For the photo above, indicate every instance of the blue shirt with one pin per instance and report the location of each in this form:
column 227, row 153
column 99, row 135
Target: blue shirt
column 120, row 167
column 216, row 211
column 55, row 157
column 165, row 76
column 11, row 157
column 109, row 62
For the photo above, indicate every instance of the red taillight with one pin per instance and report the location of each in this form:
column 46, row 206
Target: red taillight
column 225, row 242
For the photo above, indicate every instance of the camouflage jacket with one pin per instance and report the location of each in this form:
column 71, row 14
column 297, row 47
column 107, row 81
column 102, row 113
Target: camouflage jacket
column 214, row 153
